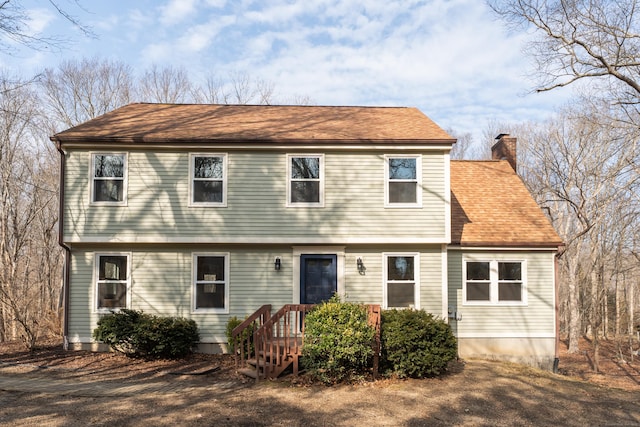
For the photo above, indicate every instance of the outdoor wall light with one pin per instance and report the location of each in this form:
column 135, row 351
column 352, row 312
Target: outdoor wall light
column 277, row 264
column 360, row 265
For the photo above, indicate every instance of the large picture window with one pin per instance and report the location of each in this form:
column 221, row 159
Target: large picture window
column 112, row 281
column 211, row 282
column 305, row 180
column 108, row 176
column 494, row 282
column 401, row 284
column 403, row 176
column 208, row 179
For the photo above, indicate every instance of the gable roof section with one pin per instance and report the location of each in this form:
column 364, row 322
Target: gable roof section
column 175, row 123
column 490, row 206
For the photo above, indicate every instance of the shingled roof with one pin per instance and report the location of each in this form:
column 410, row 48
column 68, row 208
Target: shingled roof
column 175, row 123
column 490, row 206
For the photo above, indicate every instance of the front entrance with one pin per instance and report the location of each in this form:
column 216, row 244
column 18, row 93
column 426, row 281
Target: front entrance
column 318, row 277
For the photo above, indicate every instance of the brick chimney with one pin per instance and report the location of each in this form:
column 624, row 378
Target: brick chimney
column 505, row 149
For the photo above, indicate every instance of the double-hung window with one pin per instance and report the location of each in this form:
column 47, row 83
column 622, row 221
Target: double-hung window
column 495, row 282
column 403, row 175
column 305, row 176
column 109, row 178
column 401, row 287
column 208, row 180
column 211, row 282
column 112, row 285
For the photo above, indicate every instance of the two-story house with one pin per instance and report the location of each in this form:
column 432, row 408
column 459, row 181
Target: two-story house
column 210, row 211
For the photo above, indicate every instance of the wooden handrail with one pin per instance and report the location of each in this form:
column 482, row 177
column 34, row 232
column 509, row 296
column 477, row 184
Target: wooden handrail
column 374, row 318
column 260, row 316
column 279, row 341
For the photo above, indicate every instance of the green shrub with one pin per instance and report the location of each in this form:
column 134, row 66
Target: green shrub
column 246, row 337
column 337, row 341
column 415, row 344
column 138, row 334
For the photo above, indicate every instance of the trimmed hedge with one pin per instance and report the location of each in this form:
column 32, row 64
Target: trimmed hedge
column 415, row 344
column 138, row 334
column 338, row 340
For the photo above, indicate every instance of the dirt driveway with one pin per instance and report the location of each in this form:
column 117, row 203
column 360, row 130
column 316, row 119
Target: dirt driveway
column 91, row 389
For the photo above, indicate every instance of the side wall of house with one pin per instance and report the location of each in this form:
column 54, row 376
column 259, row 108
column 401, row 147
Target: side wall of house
column 161, row 283
column 158, row 210
column 523, row 333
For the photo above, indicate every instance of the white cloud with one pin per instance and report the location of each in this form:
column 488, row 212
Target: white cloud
column 39, row 19
column 176, row 11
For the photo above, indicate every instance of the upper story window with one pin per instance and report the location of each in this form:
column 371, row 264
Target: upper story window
column 401, row 281
column 112, row 285
column 494, row 282
column 109, row 178
column 208, row 180
column 305, row 180
column 211, row 283
column 403, row 175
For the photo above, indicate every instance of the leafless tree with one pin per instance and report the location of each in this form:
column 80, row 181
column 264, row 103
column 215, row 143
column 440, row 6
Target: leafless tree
column 77, row 91
column 29, row 279
column 14, row 26
column 165, row 85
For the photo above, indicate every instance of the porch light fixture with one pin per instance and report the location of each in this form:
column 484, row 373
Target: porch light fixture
column 277, row 264
column 360, row 265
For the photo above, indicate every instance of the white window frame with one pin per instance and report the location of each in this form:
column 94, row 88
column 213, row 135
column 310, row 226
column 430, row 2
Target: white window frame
column 386, row 282
column 494, row 282
column 194, row 282
column 320, row 202
column 192, row 179
column 97, row 281
column 417, row 180
column 93, row 178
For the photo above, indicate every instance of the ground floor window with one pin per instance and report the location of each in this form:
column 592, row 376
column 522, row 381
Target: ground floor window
column 401, row 287
column 210, row 283
column 494, row 282
column 113, row 281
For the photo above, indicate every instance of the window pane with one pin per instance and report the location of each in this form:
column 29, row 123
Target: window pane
column 477, row 271
column 510, row 291
column 305, row 192
column 208, row 167
column 400, row 295
column 210, row 295
column 400, row 268
column 402, row 168
column 113, row 268
column 477, row 291
column 210, row 268
column 509, row 271
column 402, row 192
column 112, row 295
column 108, row 191
column 207, row 191
column 109, row 166
column 305, row 168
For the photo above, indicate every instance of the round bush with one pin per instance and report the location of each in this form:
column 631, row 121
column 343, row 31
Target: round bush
column 138, row 334
column 415, row 344
column 338, row 341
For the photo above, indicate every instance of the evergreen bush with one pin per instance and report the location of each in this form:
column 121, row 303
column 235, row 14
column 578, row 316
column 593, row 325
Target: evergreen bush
column 138, row 334
column 245, row 338
column 415, row 344
column 337, row 341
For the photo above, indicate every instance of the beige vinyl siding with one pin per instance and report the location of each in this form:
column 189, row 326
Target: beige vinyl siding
column 157, row 201
column 161, row 284
column 536, row 318
column 368, row 288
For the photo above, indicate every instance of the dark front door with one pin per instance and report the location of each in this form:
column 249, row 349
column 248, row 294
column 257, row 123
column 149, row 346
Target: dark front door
column 318, row 278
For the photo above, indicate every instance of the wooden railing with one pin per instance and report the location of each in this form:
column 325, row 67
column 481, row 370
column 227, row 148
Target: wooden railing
column 243, row 346
column 279, row 341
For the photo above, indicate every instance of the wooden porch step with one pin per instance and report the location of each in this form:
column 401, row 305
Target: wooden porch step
column 249, row 372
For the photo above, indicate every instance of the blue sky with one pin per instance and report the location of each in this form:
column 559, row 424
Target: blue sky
column 450, row 58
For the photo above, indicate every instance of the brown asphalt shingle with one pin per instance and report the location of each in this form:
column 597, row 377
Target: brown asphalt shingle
column 490, row 206
column 256, row 123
